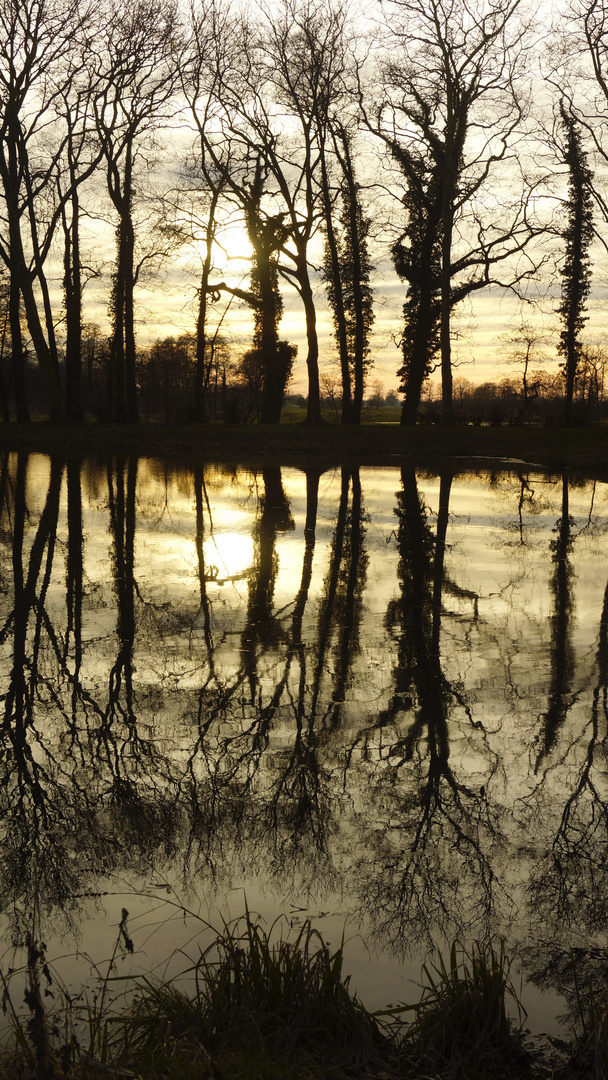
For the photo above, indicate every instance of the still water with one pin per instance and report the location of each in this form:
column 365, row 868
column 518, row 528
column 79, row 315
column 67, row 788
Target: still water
column 376, row 697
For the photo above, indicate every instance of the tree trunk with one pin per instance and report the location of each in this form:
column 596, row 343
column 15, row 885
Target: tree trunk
column 122, row 381
column 129, row 316
column 73, row 311
column 274, row 382
column 447, row 407
column 200, row 374
column 409, row 410
column 337, row 296
column 21, row 280
column 18, row 354
column 313, row 412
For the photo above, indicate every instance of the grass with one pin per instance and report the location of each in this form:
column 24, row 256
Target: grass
column 259, row 1006
column 461, row 1022
column 583, row 450
column 255, row 994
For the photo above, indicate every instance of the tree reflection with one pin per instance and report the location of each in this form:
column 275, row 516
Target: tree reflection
column 42, row 806
column 67, row 756
column 561, row 696
column 262, row 626
column 267, row 766
column 569, row 883
column 430, row 865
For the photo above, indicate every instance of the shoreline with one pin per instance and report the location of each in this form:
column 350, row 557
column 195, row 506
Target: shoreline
column 582, row 451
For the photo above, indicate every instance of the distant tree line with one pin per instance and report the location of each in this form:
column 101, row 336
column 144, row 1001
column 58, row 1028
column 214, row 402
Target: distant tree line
column 332, row 145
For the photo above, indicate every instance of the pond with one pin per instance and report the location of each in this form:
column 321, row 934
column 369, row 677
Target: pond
column 375, row 697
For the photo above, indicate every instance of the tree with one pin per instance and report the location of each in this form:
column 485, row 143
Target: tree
column 417, row 260
column 269, row 80
column 137, row 70
column 525, row 349
column 266, row 236
column 209, row 30
column 576, row 270
column 37, row 38
column 5, row 342
column 267, row 366
column 449, row 110
column 347, row 272
column 332, row 101
column 81, row 156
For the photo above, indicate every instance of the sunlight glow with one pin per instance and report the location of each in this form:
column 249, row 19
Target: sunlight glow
column 228, row 556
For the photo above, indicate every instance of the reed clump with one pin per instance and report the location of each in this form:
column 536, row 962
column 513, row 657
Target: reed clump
column 461, row 1025
column 254, row 1005
column 257, row 993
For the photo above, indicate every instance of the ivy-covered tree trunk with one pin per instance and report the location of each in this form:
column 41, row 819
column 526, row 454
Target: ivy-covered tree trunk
column 417, row 260
column 332, row 264
column 266, row 234
column 347, row 272
column 576, row 271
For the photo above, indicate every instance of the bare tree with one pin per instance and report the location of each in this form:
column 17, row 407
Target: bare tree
column 525, row 349
column 450, row 108
column 81, row 156
column 206, row 170
column 137, row 71
column 38, row 39
column 270, row 78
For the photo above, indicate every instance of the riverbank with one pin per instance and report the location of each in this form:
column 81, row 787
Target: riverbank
column 582, row 451
column 256, row 1005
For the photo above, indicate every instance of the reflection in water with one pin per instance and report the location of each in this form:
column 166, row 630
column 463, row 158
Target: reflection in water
column 435, row 871
column 562, row 654
column 398, row 700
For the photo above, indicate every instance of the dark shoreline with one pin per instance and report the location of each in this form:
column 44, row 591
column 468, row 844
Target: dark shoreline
column 581, row 451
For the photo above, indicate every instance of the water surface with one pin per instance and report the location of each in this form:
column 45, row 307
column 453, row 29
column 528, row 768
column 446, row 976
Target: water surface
column 371, row 696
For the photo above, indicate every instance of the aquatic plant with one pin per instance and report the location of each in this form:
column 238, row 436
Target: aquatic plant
column 258, row 1005
column 259, row 991
column 461, row 1021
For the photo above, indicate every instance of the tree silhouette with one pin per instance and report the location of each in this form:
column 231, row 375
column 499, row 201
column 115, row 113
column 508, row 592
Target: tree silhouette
column 576, row 269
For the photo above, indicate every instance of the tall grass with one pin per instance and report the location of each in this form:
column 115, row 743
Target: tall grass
column 255, row 1005
column 461, row 1021
column 289, row 999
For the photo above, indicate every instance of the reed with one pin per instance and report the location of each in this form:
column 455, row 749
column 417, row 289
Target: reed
column 460, row 1024
column 256, row 992
column 255, row 1005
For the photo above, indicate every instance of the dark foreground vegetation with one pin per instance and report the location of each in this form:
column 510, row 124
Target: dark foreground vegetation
column 256, row 1006
column 581, row 450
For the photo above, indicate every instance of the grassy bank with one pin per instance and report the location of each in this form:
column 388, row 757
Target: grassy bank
column 581, row 450
column 259, row 1007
